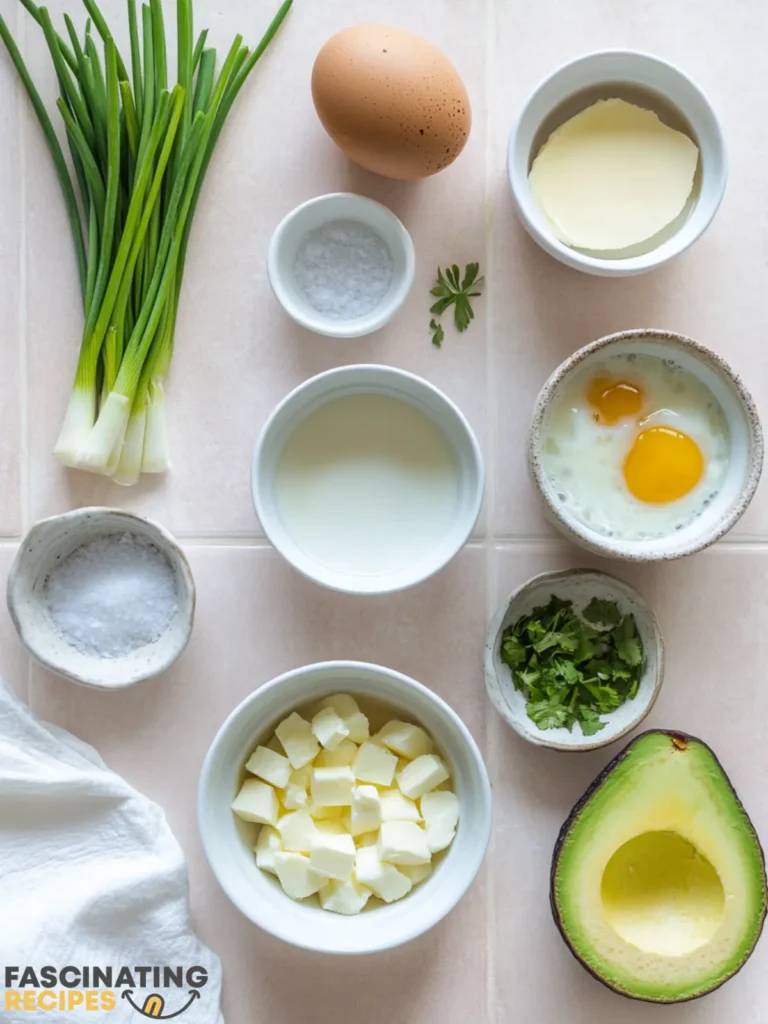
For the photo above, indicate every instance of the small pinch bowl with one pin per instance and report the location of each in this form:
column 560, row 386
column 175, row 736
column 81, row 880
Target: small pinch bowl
column 604, row 74
column 579, row 586
column 228, row 842
column 745, row 458
column 52, row 540
column 310, row 216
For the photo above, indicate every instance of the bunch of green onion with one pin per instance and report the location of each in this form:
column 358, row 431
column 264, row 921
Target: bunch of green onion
column 139, row 151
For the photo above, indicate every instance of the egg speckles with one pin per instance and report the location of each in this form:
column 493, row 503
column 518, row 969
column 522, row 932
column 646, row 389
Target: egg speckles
column 634, row 446
column 391, row 101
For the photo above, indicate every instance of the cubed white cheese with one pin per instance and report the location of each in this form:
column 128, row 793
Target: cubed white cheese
column 366, row 810
column 332, row 787
column 385, row 880
column 296, row 876
column 374, row 764
column 333, row 855
column 332, row 826
column 326, row 813
column 347, row 897
column 347, row 709
column 297, row 830
column 267, row 845
column 294, row 798
column 440, row 810
column 329, row 728
column 302, row 776
column 295, row 734
column 416, row 872
column 256, row 801
column 405, row 740
column 421, row 776
column 403, row 842
column 341, row 757
column 396, row 807
column 270, row 766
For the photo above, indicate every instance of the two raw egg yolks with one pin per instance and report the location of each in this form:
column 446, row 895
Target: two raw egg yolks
column 663, row 464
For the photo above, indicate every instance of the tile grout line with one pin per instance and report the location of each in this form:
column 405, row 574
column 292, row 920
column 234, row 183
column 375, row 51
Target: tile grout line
column 23, row 365
column 491, row 491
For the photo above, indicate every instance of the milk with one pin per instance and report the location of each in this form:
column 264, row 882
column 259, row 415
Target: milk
column 367, row 484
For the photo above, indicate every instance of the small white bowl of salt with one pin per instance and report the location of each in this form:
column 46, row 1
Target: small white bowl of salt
column 102, row 597
column 341, row 265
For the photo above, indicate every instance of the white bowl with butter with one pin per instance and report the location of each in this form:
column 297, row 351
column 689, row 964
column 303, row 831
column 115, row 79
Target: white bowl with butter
column 680, row 111
column 367, row 479
column 229, row 842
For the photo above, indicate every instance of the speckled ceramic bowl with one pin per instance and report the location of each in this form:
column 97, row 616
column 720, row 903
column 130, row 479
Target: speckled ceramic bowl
column 579, row 586
column 746, row 448
column 47, row 543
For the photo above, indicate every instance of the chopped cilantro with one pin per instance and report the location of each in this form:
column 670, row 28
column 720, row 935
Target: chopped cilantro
column 574, row 667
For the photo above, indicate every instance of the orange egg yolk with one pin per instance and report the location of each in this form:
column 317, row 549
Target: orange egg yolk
column 613, row 400
column 662, row 465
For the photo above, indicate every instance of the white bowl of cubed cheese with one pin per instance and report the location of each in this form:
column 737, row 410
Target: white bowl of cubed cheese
column 269, row 780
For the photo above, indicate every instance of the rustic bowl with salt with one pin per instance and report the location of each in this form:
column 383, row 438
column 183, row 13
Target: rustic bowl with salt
column 102, row 597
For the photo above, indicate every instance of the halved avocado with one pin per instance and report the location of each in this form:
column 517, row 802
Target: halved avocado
column 658, row 877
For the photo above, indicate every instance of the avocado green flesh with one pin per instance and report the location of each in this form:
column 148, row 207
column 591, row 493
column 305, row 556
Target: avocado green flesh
column 659, row 883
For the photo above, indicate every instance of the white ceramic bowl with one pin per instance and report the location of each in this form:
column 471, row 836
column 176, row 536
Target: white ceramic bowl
column 602, row 71
column 746, row 452
column 368, row 379
column 47, row 543
column 228, row 842
column 313, row 214
column 579, row 586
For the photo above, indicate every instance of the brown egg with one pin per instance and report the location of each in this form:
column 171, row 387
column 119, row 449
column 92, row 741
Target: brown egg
column 392, row 101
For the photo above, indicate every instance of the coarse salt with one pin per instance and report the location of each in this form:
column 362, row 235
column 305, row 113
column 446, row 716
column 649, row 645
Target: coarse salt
column 344, row 268
column 112, row 595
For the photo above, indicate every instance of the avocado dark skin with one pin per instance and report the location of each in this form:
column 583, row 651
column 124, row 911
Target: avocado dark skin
column 681, row 741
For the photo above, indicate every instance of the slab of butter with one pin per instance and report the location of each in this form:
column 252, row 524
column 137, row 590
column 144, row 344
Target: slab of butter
column 613, row 176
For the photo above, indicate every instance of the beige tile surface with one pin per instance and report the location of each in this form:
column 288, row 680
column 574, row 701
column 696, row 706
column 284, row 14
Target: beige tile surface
column 498, row 958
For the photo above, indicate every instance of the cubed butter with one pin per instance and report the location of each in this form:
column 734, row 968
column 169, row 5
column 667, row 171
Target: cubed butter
column 341, row 757
column 374, row 764
column 332, row 787
column 347, row 897
column 294, row 797
column 267, row 845
column 396, row 807
column 421, row 776
column 366, row 810
column 385, row 880
column 333, row 855
column 297, row 830
column 367, row 839
column 270, row 766
column 295, row 734
column 403, row 842
column 296, row 876
column 256, row 801
column 329, row 728
column 302, row 776
column 440, row 810
column 405, row 740
column 416, row 872
column 347, row 709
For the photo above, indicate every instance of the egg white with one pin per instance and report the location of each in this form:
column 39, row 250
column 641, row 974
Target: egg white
column 584, row 460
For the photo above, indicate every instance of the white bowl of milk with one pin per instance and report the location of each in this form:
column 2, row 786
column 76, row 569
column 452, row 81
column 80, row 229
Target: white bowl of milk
column 367, row 479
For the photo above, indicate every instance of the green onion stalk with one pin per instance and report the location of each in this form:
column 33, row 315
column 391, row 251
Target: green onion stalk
column 138, row 151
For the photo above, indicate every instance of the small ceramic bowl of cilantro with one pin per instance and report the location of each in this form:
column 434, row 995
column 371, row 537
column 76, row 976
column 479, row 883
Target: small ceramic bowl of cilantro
column 574, row 659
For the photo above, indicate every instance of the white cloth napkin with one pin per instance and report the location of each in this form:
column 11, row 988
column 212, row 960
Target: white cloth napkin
column 90, row 874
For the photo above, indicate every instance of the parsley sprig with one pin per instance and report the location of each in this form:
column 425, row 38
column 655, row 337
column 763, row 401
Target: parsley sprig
column 453, row 290
column 568, row 669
